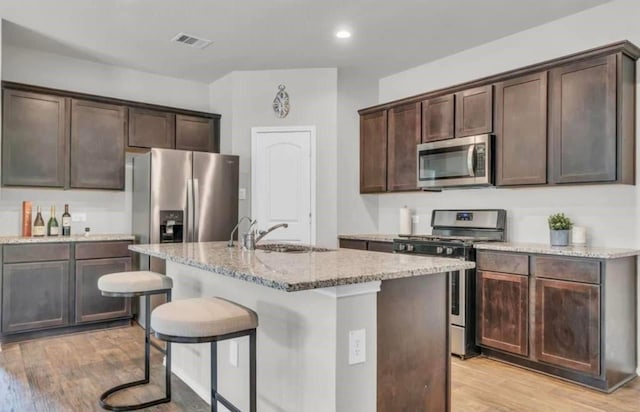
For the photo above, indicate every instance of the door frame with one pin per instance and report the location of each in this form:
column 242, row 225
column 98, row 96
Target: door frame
column 255, row 135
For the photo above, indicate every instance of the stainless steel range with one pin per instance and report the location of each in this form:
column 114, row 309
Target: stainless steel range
column 453, row 234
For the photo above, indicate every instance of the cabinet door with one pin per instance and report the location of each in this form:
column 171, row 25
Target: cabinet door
column 373, row 152
column 151, row 128
column 404, row 137
column 90, row 304
column 521, row 130
column 582, row 121
column 503, row 312
column 34, row 139
column 568, row 325
column 97, row 145
column 35, row 296
column 195, row 133
column 474, row 111
column 438, row 118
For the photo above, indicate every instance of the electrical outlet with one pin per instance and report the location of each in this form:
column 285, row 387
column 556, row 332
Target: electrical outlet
column 79, row 217
column 242, row 193
column 415, row 219
column 357, row 346
column 233, row 353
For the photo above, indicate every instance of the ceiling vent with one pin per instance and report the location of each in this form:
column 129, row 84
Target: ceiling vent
column 191, row 41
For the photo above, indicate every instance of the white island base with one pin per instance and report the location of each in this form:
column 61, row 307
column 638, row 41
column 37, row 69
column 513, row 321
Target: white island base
column 302, row 343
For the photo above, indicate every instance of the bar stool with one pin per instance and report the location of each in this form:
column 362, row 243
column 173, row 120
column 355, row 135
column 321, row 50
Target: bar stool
column 200, row 320
column 134, row 284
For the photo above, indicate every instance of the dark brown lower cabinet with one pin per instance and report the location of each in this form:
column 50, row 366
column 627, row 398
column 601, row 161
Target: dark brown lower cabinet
column 370, row 245
column 568, row 325
column 90, row 304
column 571, row 317
column 503, row 314
column 35, row 296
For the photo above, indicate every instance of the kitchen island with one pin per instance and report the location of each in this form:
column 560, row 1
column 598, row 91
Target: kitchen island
column 391, row 310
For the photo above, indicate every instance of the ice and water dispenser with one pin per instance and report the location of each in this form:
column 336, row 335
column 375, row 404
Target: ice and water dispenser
column 171, row 226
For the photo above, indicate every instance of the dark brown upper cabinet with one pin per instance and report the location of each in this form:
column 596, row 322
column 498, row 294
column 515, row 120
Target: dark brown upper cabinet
column 521, row 130
column 474, row 111
column 403, row 137
column 591, row 112
column 151, row 128
column 97, row 145
column 373, row 152
column 438, row 118
column 568, row 325
column 195, row 133
column 34, row 139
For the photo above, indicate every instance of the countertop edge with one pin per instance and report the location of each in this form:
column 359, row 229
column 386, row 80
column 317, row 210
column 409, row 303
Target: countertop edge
column 371, row 237
column 302, row 286
column 542, row 249
column 19, row 240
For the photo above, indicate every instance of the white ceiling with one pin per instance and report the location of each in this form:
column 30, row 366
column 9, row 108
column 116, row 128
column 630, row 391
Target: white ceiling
column 388, row 36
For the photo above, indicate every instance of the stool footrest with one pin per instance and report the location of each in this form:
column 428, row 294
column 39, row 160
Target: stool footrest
column 122, row 408
column 217, row 397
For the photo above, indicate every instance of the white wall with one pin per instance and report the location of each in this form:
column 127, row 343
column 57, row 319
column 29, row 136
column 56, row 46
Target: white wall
column 609, row 212
column 107, row 212
column 313, row 98
column 356, row 213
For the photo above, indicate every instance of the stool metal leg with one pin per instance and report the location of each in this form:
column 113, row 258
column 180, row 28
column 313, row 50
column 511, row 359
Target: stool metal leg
column 214, row 377
column 147, row 371
column 252, row 371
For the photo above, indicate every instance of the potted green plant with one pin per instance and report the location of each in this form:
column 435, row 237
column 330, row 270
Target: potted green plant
column 559, row 227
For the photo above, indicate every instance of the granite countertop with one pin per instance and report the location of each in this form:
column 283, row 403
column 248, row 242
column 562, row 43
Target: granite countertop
column 371, row 237
column 545, row 249
column 16, row 240
column 300, row 271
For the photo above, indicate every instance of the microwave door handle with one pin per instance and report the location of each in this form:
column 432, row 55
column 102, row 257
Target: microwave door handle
column 471, row 156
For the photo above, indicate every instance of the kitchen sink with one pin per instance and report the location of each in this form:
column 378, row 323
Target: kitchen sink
column 290, row 248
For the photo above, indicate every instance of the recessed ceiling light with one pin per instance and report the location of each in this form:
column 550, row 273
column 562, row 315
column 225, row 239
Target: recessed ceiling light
column 343, row 34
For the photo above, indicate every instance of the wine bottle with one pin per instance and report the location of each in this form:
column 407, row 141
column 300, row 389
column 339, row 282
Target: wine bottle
column 38, row 225
column 52, row 225
column 66, row 222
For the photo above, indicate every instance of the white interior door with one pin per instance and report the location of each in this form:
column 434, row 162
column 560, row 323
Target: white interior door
column 283, row 182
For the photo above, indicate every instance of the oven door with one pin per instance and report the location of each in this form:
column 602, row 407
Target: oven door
column 456, row 162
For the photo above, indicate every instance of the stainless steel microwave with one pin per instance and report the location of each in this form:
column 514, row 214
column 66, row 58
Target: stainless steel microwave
column 464, row 161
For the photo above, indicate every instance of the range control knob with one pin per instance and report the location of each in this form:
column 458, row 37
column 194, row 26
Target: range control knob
column 410, row 248
column 449, row 251
column 401, row 246
column 439, row 250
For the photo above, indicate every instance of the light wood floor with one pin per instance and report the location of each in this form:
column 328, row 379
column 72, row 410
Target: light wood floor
column 68, row 374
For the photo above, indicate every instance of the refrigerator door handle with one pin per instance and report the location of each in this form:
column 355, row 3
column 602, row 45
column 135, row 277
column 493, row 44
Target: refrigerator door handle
column 196, row 211
column 190, row 211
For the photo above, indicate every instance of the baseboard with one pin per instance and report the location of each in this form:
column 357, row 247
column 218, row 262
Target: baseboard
column 201, row 391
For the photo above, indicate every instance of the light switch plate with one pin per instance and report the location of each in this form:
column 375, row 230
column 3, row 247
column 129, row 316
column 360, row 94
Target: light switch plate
column 357, row 346
column 242, row 193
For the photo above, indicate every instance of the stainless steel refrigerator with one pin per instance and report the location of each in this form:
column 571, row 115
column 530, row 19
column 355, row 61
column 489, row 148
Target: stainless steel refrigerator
column 182, row 196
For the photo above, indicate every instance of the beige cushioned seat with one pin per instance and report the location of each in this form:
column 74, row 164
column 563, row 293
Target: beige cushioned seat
column 202, row 317
column 134, row 282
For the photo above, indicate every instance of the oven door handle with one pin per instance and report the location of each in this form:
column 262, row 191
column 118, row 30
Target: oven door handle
column 471, row 157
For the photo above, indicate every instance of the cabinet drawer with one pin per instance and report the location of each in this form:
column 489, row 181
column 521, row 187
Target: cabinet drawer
column 503, row 262
column 100, row 250
column 380, row 247
column 353, row 244
column 44, row 252
column 577, row 270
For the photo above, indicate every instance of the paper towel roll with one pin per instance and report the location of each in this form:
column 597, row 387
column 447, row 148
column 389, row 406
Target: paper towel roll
column 405, row 221
column 579, row 235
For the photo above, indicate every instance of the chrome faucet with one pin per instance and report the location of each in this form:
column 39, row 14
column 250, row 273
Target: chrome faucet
column 264, row 233
column 252, row 222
